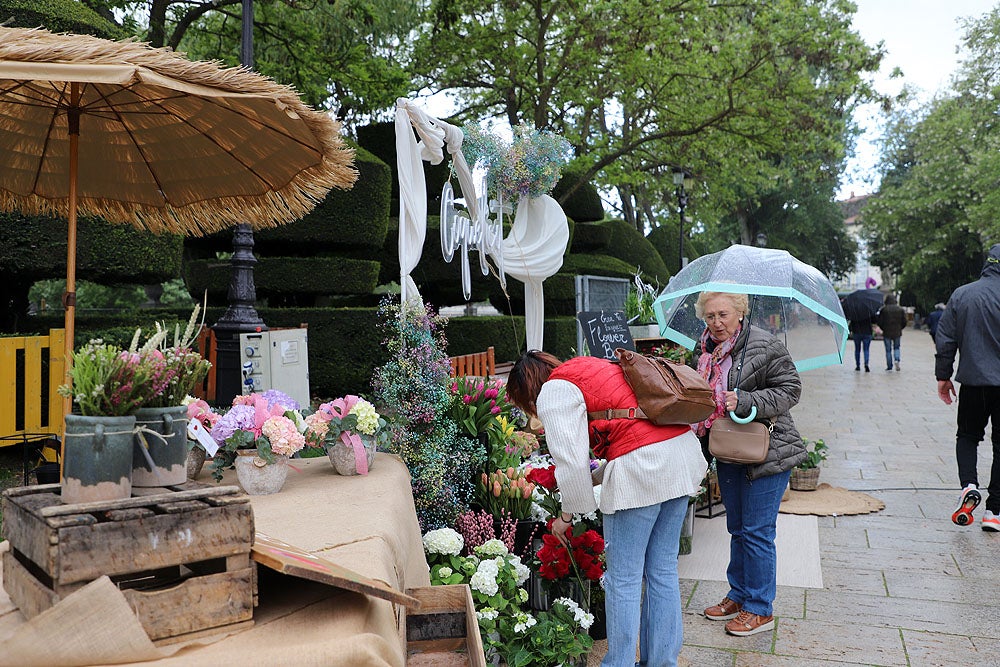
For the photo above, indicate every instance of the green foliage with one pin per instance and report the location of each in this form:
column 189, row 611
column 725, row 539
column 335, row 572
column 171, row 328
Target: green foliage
column 277, row 277
column 791, row 72
column 629, row 245
column 639, row 301
column 88, row 295
column 590, row 238
column 58, row 16
column 938, row 208
column 816, row 453
column 355, row 219
column 579, row 198
column 380, row 139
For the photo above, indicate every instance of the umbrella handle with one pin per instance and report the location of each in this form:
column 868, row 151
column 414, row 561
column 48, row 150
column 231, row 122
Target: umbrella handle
column 744, row 420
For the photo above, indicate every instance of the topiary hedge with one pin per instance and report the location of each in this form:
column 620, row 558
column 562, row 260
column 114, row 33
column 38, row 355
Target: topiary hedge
column 560, row 289
column 306, row 276
column 585, row 204
column 58, row 16
column 354, row 219
column 380, row 139
column 590, row 237
column 628, row 244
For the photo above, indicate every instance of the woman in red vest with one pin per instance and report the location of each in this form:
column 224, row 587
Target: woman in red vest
column 650, row 473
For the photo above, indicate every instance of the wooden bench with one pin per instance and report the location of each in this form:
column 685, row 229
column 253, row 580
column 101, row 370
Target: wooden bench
column 481, row 364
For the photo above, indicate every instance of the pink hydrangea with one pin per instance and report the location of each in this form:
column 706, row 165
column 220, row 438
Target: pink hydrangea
column 285, row 439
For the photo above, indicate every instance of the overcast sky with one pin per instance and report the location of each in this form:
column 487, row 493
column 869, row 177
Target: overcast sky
column 921, row 37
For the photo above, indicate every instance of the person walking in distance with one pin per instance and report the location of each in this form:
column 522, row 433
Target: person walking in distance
column 861, row 333
column 970, row 326
column 933, row 319
column 892, row 321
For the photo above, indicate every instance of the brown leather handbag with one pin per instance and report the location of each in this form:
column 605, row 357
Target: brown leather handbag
column 667, row 392
column 739, row 443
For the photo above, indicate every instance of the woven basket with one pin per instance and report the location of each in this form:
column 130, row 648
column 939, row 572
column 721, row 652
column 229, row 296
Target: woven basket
column 804, row 480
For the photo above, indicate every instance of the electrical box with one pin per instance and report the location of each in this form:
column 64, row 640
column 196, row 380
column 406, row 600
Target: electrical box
column 276, row 359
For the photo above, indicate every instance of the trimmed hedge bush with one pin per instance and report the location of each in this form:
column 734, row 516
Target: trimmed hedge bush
column 590, row 237
column 380, row 139
column 629, row 245
column 355, row 218
column 59, row 16
column 560, row 289
column 275, row 276
column 34, row 247
column 585, row 204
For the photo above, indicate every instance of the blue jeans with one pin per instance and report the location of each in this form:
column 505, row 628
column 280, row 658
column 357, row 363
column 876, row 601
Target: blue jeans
column 642, row 543
column 859, row 343
column 891, row 350
column 751, row 519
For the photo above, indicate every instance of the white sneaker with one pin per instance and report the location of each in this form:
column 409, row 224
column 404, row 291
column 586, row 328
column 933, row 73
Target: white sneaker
column 969, row 500
column 991, row 522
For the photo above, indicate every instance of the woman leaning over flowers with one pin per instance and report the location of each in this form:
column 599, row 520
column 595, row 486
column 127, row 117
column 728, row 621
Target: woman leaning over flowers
column 650, row 473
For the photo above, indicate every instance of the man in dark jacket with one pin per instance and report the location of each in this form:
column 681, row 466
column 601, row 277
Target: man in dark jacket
column 892, row 321
column 971, row 326
column 933, row 319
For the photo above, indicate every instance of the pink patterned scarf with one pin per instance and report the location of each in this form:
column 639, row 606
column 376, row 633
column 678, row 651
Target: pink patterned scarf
column 710, row 368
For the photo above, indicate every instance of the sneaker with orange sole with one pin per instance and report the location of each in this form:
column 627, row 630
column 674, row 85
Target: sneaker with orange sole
column 747, row 623
column 969, row 501
column 991, row 522
column 723, row 611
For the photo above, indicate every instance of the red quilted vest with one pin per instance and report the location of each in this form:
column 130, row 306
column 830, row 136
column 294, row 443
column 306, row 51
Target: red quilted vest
column 604, row 387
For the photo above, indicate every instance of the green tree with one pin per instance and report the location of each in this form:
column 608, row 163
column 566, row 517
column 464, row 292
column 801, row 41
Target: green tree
column 938, row 207
column 640, row 86
column 345, row 55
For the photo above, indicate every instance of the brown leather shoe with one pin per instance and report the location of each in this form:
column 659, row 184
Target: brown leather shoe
column 747, row 623
column 723, row 611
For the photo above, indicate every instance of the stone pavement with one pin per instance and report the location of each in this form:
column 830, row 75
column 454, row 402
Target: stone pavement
column 902, row 587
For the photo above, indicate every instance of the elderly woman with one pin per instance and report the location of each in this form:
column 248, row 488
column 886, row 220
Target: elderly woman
column 768, row 381
column 650, row 473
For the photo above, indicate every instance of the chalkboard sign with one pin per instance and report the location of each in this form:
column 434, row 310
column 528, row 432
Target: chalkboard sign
column 605, row 330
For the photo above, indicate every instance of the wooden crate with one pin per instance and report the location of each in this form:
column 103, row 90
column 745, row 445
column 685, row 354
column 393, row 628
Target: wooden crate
column 180, row 555
column 444, row 631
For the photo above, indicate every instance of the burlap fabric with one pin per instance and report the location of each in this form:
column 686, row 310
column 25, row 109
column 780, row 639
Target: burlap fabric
column 365, row 523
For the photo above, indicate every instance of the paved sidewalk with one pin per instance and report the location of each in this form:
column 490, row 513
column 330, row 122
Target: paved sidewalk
column 903, row 586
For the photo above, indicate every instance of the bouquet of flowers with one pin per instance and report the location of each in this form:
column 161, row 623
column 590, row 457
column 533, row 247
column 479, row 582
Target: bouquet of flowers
column 107, row 380
column 176, row 368
column 269, row 422
column 351, row 421
column 476, row 405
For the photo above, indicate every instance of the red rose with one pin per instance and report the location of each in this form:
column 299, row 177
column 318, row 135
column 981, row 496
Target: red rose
column 594, row 572
column 544, row 477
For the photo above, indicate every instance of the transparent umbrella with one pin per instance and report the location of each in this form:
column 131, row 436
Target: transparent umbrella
column 789, row 298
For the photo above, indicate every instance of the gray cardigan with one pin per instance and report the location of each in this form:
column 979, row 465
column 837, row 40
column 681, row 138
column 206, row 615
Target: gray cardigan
column 769, row 381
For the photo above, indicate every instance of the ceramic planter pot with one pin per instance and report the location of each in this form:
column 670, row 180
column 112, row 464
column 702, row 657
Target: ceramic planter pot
column 167, row 453
column 258, row 477
column 97, row 459
column 195, row 462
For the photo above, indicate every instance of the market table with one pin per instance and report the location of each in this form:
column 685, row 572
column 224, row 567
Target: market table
column 365, row 523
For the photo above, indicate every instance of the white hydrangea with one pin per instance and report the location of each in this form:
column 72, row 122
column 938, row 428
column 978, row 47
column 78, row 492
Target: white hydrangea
column 443, row 541
column 522, row 595
column 492, row 548
column 445, row 572
column 583, row 618
column 524, row 620
column 521, row 571
column 485, row 578
column 367, row 416
column 487, row 614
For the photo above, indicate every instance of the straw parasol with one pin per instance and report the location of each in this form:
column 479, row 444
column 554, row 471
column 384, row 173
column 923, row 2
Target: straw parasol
column 144, row 136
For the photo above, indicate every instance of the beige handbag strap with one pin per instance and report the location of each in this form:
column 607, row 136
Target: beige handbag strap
column 624, row 413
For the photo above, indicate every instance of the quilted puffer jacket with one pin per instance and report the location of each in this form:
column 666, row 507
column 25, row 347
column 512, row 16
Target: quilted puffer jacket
column 769, row 381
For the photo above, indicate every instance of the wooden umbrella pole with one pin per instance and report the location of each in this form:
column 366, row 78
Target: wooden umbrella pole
column 69, row 296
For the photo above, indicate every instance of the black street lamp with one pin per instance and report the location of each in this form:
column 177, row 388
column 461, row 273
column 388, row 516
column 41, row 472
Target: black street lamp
column 682, row 181
column 241, row 316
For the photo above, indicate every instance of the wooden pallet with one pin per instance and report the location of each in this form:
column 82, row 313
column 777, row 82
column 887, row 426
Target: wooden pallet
column 180, row 555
